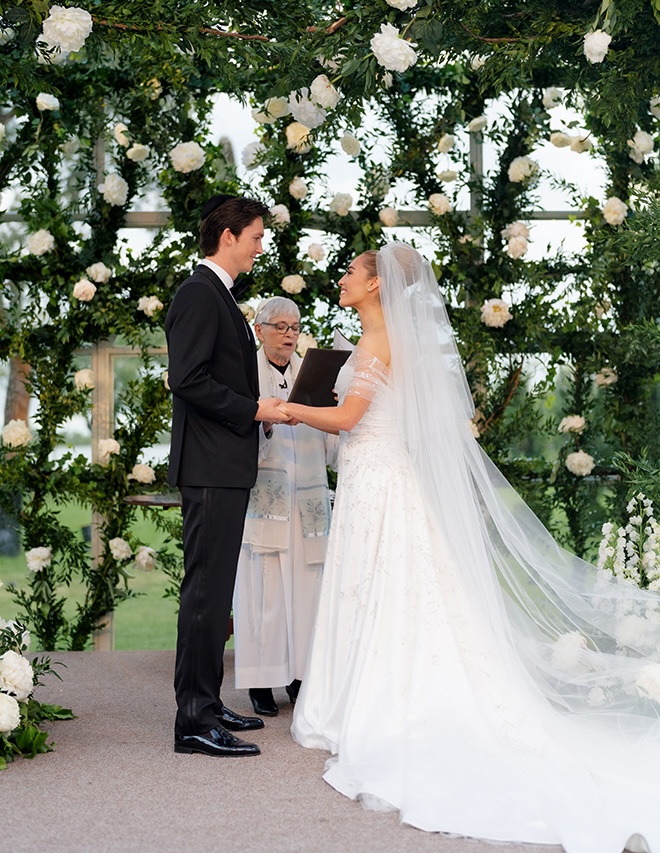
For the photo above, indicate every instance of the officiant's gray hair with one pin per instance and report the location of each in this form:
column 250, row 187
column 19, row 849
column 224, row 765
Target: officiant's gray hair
column 276, row 306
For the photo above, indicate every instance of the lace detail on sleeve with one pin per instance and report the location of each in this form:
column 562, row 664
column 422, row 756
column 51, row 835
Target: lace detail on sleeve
column 368, row 377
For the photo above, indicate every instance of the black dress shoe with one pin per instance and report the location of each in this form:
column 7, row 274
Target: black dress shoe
column 236, row 722
column 293, row 690
column 263, row 702
column 216, row 742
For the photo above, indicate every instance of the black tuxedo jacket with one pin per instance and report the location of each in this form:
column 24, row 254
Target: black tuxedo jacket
column 213, row 377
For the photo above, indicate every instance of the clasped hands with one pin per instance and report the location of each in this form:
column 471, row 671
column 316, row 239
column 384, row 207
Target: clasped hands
column 273, row 410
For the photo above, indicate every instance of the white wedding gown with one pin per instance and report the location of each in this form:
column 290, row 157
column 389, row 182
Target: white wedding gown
column 406, row 686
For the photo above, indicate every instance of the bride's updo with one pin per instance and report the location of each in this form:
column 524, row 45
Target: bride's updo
column 369, row 257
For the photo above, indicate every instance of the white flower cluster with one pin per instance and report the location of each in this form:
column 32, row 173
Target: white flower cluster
column 392, row 51
column 47, row 103
column 84, row 379
column 150, row 305
column 341, row 204
column 633, row 552
column 647, row 681
column 439, row 204
column 187, row 156
column 389, row 216
column 247, row 311
column 297, row 137
column 38, row 559
column 552, row 97
column 142, row 473
column 114, row 190
column 572, row 423
column 16, row 674
column 640, row 145
column 99, row 273
column 495, row 313
column 476, row 125
column 145, row 558
column 316, row 252
column 580, row 463
column 522, row 169
column 516, row 234
column 84, row 290
column 446, row 143
column 107, row 448
column 298, row 188
column 305, row 342
column 251, row 154
column 615, row 210
column 292, row 283
column 66, row 28
column 40, row 242
column 280, row 215
column 120, row 549
column 350, row 144
column 15, row 433
column 596, row 45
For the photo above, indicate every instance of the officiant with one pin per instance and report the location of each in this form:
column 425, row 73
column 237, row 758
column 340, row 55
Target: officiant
column 286, row 528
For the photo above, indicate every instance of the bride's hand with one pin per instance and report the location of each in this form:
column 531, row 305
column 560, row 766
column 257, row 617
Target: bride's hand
column 282, row 407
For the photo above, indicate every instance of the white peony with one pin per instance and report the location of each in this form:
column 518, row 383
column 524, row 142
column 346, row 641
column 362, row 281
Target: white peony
column 316, row 251
column 389, row 216
column 99, row 273
column 142, row 473
column 16, row 675
column 305, row 342
column 495, row 313
column 640, row 145
column 580, row 463
column 552, row 97
column 516, row 247
column 115, row 190
column 251, row 154
column 567, row 652
column 298, row 188
column 305, row 111
column 446, row 142
column 107, row 448
column 350, row 144
column 39, row 558
column 277, row 107
column 522, row 169
column 297, row 137
column 648, row 681
column 15, row 433
column 391, row 51
column 40, row 242
column 292, row 283
column 21, row 637
column 341, row 204
column 247, row 311
column 138, row 152
column 654, row 106
column 150, row 305
column 187, row 156
column 439, row 204
column 596, row 45
column 572, row 423
column 477, row 124
column 607, row 376
column 119, row 132
column 47, row 102
column 580, row 144
column 477, row 62
column 10, row 714
column 280, row 215
column 515, row 229
column 323, row 93
column 84, row 379
column 84, row 290
column 561, row 140
column 120, row 549
column 402, row 5
column 145, row 558
column 615, row 210
column 67, row 27
column 447, row 176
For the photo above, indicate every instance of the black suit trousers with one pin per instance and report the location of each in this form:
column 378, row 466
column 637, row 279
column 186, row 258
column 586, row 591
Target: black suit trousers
column 213, row 521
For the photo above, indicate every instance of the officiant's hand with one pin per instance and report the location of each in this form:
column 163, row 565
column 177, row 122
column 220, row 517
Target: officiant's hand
column 269, row 410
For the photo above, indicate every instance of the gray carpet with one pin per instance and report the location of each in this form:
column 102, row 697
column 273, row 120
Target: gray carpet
column 114, row 783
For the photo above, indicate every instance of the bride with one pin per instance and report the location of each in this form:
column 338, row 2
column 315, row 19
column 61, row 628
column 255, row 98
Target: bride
column 465, row 670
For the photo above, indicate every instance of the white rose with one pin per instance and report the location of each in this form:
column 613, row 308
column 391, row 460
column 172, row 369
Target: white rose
column 596, row 696
column 323, row 93
column 39, row 558
column 316, row 251
column 304, row 111
column 115, row 190
column 15, row 433
column 138, row 153
column 99, row 273
column 654, row 106
column 119, row 132
column 16, row 675
column 145, row 558
column 10, row 714
column 292, row 283
column 596, row 45
column 67, row 27
column 439, row 204
column 107, row 447
column 580, row 144
column 447, row 176
column 47, row 102
column 615, row 210
column 552, row 97
column 297, row 137
column 120, row 549
column 572, row 423
column 84, row 290
column 251, row 153
column 187, row 156
column 640, row 145
column 84, row 379
column 389, row 216
column 305, row 342
column 350, row 144
column 607, row 376
column 341, row 204
column 516, row 247
column 280, row 215
column 446, row 142
column 560, row 140
column 477, row 124
column 247, row 311
column 495, row 313
column 142, row 473
column 298, row 188
column 277, row 107
column 40, row 242
column 580, row 463
column 522, row 169
column 648, row 681
column 391, row 51
column 515, row 229
column 150, row 305
column 402, row 5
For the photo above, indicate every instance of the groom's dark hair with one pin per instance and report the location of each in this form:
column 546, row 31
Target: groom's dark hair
column 226, row 211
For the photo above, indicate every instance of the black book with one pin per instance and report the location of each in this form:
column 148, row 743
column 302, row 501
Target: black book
column 317, row 376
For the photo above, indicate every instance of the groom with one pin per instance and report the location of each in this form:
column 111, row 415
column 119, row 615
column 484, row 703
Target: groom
column 213, row 459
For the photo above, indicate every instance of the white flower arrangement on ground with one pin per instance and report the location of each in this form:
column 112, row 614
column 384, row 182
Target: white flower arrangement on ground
column 391, row 51
column 120, row 549
column 40, row 242
column 15, row 433
column 187, row 157
column 297, row 137
column 341, row 204
column 615, row 210
column 305, row 342
column 145, row 558
column 68, row 28
column 316, row 252
column 84, row 290
column 84, row 379
column 142, row 473
column 115, row 190
column 572, row 423
column 632, row 552
column 280, row 216
column 293, row 283
column 596, row 45
column 389, row 216
column 47, row 103
column 495, row 313
column 107, row 447
column 640, row 145
column 150, row 305
column 99, row 273
column 606, row 377
column 580, row 463
column 16, row 676
column 298, row 188
column 350, row 144
column 439, row 204
column 522, row 169
column 38, row 559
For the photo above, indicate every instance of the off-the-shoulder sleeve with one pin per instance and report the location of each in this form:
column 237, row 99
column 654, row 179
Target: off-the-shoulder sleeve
column 368, row 377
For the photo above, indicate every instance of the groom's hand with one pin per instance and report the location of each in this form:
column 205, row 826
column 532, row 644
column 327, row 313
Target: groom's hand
column 269, row 411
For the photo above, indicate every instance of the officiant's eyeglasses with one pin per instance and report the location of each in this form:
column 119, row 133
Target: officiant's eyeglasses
column 283, row 328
